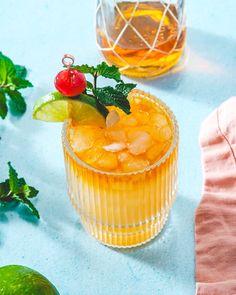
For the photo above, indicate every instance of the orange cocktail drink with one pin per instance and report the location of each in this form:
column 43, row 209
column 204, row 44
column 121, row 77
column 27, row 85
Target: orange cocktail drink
column 122, row 176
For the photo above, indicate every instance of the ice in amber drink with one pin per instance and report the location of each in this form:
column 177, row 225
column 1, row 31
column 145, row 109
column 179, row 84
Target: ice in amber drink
column 122, row 176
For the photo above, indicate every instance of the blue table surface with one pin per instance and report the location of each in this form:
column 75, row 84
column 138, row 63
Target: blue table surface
column 37, row 34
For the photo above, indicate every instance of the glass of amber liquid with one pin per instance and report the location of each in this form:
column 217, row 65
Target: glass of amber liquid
column 143, row 38
column 122, row 176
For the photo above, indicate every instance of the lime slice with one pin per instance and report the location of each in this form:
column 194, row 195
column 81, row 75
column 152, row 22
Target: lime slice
column 55, row 107
column 18, row 280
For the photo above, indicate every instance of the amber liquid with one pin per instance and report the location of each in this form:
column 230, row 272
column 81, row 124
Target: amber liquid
column 152, row 42
column 123, row 210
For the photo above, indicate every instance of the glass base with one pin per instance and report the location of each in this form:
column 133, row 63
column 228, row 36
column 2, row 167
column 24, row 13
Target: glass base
column 125, row 237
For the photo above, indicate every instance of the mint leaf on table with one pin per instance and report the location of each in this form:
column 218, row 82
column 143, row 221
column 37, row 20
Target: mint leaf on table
column 14, row 182
column 25, row 201
column 16, row 190
column 12, row 79
column 4, row 189
column 17, row 103
column 30, row 191
column 20, row 83
column 3, row 105
column 7, row 69
column 21, row 71
column 109, row 96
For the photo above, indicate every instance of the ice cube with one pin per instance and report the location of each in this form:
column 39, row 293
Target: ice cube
column 108, row 161
column 92, row 155
column 155, row 152
column 83, row 137
column 112, row 118
column 134, row 165
column 115, row 147
column 131, row 163
column 164, row 134
column 142, row 117
column 137, row 100
column 129, row 121
column 124, row 156
column 116, row 135
column 158, row 120
column 139, row 142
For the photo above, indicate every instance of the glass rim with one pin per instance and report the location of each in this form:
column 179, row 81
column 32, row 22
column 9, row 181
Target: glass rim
column 158, row 163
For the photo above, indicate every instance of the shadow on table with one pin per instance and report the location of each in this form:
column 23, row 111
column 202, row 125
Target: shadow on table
column 34, row 148
column 3, row 219
column 209, row 73
column 20, row 209
column 172, row 251
column 31, row 95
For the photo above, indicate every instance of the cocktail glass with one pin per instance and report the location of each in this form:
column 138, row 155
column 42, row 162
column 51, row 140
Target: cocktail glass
column 124, row 209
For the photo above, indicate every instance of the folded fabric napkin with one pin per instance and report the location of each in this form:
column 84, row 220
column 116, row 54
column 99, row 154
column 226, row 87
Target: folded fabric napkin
column 215, row 220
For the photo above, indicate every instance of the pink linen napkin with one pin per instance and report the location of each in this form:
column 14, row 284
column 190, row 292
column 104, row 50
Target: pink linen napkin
column 215, row 220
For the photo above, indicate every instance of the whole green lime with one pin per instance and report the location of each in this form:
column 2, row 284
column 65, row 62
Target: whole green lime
column 21, row 280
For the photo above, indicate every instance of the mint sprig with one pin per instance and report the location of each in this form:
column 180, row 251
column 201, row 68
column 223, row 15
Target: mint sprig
column 86, row 69
column 110, row 72
column 16, row 190
column 12, row 79
column 21, row 71
column 107, row 96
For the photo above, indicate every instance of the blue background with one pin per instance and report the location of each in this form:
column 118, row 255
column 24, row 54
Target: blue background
column 37, row 34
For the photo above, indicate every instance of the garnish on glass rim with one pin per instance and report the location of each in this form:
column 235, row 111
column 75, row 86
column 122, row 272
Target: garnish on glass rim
column 16, row 190
column 12, row 79
column 84, row 101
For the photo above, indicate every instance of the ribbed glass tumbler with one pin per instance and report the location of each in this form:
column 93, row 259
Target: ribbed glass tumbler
column 123, row 209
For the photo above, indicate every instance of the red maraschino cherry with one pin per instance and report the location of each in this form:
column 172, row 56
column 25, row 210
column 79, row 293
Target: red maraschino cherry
column 70, row 82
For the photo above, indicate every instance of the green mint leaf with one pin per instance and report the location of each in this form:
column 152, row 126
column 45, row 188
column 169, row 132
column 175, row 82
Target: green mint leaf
column 27, row 203
column 7, row 69
column 21, row 182
column 12, row 78
column 26, row 190
column 86, row 69
column 93, row 101
column 13, row 179
column 17, row 104
column 10, row 86
column 21, row 83
column 4, row 189
column 21, row 71
column 125, row 88
column 33, row 192
column 29, row 191
column 109, row 96
column 15, row 190
column 110, row 72
column 102, row 109
column 3, row 105
column 89, row 85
